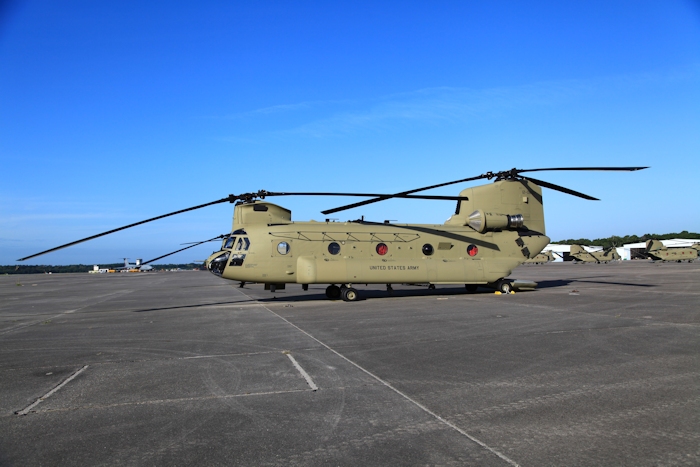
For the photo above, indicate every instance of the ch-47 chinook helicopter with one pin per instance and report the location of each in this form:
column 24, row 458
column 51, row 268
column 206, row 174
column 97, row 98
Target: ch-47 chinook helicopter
column 658, row 252
column 495, row 228
column 541, row 258
column 581, row 255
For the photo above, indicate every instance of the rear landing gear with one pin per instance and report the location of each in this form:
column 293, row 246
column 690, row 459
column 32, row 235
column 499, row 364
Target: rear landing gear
column 504, row 286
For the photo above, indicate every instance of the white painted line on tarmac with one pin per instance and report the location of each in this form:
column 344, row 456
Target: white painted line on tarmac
column 303, row 373
column 26, row 410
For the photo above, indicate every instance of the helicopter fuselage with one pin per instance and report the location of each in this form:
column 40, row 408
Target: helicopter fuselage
column 358, row 252
column 480, row 248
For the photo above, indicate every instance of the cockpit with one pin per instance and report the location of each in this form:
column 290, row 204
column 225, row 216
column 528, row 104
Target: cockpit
column 234, row 248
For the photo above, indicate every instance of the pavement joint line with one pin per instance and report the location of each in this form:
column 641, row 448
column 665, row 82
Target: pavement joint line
column 180, row 399
column 241, row 354
column 26, row 410
column 388, row 385
column 306, row 376
column 34, row 323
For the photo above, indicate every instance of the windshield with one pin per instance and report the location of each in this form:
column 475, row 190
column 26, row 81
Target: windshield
column 228, row 243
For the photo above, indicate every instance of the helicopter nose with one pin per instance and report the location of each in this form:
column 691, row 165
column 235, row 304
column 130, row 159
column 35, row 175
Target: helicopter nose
column 216, row 263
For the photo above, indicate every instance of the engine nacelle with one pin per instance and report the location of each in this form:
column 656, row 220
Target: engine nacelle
column 483, row 221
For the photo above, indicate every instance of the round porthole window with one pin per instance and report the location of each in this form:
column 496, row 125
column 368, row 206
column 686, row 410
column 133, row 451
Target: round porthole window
column 382, row 249
column 333, row 248
column 428, row 249
column 283, row 248
column 472, row 250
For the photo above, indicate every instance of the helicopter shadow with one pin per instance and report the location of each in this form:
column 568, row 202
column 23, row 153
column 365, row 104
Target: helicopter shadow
column 565, row 282
column 373, row 294
column 199, row 305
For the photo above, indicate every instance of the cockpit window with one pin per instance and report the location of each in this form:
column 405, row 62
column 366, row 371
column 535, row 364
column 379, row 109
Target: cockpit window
column 243, row 244
column 228, row 243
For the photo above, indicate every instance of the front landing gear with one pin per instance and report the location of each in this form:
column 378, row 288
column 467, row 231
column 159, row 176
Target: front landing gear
column 333, row 292
column 345, row 292
column 349, row 294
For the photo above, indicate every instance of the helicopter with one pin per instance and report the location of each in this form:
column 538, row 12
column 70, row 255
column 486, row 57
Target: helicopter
column 581, row 255
column 495, row 228
column 541, row 258
column 656, row 250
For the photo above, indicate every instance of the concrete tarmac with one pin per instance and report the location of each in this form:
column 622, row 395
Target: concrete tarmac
column 598, row 366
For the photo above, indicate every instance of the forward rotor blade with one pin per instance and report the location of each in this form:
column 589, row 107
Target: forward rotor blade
column 399, row 195
column 403, row 194
column 222, row 200
column 183, row 249
column 560, row 188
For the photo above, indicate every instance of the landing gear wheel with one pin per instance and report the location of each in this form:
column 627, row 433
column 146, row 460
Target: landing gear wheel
column 431, row 287
column 471, row 287
column 504, row 287
column 350, row 294
column 333, row 292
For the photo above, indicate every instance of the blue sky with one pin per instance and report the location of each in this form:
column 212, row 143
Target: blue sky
column 113, row 112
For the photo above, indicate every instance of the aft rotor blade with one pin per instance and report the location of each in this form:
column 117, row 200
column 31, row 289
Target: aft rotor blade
column 222, row 200
column 403, row 194
column 183, row 249
column 560, row 188
column 626, row 169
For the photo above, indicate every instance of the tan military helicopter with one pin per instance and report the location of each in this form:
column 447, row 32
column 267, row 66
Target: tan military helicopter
column 580, row 255
column 495, row 228
column 658, row 252
column 541, row 258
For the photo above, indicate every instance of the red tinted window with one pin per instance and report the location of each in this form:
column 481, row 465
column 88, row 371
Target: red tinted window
column 472, row 250
column 382, row 249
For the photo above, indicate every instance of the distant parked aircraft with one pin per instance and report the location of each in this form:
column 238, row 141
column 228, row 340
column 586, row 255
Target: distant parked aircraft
column 579, row 254
column 543, row 257
column 658, row 252
column 134, row 267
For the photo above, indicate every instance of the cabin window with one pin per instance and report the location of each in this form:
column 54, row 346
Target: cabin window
column 382, row 249
column 229, row 242
column 472, row 250
column 333, row 248
column 428, row 249
column 283, row 248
